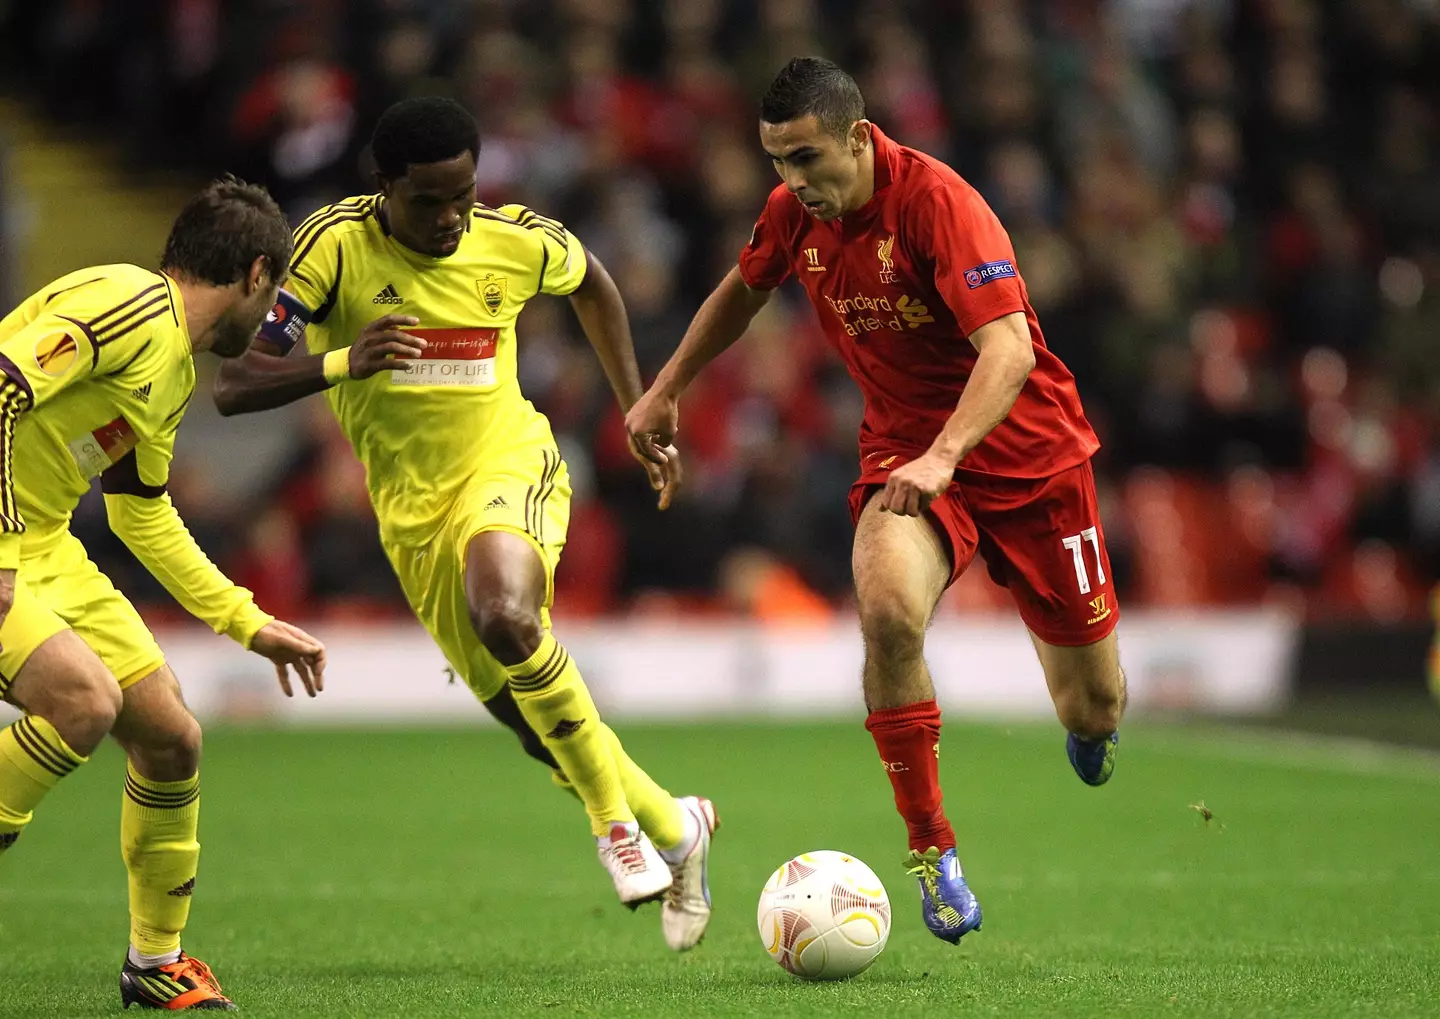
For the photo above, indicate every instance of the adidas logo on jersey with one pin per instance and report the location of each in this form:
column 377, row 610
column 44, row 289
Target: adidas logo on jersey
column 497, row 503
column 141, row 393
column 388, row 296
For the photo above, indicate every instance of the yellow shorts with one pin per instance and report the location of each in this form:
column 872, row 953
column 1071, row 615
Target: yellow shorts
column 61, row 589
column 528, row 495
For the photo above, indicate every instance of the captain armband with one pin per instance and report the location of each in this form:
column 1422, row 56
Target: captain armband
column 286, row 323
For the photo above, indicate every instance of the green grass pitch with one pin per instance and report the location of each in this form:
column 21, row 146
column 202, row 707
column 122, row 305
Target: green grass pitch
column 350, row 873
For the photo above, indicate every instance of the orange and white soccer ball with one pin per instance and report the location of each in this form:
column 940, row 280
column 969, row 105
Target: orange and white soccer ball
column 824, row 916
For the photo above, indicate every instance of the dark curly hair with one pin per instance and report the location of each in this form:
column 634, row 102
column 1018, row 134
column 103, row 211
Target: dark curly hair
column 427, row 129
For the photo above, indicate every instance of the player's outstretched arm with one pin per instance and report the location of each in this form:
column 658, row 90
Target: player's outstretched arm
column 264, row 378
column 601, row 311
column 721, row 320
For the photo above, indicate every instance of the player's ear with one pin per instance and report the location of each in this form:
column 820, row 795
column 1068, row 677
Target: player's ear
column 859, row 136
column 259, row 270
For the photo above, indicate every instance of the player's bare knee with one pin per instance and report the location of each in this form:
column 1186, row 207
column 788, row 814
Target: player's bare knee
column 892, row 632
column 82, row 706
column 171, row 755
column 509, row 629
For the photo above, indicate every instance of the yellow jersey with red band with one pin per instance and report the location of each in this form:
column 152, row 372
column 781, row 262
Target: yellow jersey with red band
column 96, row 371
column 423, row 432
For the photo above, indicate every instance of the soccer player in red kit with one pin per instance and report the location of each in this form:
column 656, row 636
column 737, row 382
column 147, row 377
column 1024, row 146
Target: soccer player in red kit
column 973, row 438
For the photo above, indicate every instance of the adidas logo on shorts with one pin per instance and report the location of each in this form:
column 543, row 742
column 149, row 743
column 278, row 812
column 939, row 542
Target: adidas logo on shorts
column 497, row 503
column 388, row 296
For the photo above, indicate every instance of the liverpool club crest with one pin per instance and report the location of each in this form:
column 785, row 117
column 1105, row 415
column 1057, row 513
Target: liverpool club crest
column 886, row 251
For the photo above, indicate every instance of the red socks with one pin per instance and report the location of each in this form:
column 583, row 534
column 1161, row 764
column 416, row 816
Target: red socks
column 908, row 739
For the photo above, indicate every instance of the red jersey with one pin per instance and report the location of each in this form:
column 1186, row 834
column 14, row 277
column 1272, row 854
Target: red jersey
column 899, row 284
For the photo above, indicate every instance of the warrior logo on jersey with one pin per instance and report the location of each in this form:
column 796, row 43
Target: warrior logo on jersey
column 492, row 292
column 886, row 251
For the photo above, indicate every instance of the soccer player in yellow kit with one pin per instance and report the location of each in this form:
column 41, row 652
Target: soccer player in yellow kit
column 471, row 494
column 96, row 371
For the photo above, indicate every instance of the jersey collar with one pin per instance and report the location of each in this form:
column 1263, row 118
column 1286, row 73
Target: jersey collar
column 887, row 159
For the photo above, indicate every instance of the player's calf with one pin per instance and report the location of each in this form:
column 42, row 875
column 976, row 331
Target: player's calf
column 1091, row 713
column 1087, row 685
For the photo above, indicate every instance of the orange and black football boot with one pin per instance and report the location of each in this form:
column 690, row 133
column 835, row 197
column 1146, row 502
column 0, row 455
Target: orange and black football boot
column 185, row 983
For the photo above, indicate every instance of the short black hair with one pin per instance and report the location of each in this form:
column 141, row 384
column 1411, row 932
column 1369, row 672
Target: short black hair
column 427, row 129
column 223, row 229
column 815, row 85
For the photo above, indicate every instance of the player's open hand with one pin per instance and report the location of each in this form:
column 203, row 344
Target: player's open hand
column 290, row 647
column 382, row 345
column 912, row 487
column 665, row 478
column 652, row 424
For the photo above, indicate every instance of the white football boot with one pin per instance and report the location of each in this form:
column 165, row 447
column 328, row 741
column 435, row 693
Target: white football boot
column 686, row 912
column 640, row 875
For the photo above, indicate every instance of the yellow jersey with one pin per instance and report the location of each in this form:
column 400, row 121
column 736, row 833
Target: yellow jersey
column 422, row 434
column 96, row 371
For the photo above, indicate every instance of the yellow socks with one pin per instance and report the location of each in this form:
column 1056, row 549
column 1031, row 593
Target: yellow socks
column 33, row 758
column 656, row 810
column 158, row 822
column 552, row 697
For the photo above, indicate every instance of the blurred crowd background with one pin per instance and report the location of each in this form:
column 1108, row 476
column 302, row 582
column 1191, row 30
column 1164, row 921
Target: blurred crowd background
column 1227, row 213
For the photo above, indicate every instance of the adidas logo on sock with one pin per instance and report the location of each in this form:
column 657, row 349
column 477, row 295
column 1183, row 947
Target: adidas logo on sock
column 184, row 891
column 388, row 296
column 497, row 503
column 565, row 728
column 141, row 393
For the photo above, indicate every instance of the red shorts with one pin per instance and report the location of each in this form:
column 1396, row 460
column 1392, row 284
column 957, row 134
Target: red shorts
column 1040, row 538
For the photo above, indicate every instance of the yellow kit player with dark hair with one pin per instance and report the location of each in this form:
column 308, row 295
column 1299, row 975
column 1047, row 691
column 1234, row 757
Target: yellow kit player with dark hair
column 471, row 493
column 96, row 371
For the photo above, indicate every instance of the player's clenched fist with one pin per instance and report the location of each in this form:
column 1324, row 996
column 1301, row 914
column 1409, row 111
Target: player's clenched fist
column 290, row 647
column 913, row 487
column 381, row 345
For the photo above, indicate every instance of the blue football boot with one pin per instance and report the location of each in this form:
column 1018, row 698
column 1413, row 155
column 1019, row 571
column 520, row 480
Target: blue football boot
column 948, row 905
column 1093, row 759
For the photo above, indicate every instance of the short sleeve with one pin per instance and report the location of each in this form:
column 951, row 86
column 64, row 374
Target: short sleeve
column 562, row 257
column 974, row 261
column 765, row 263
column 315, row 266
